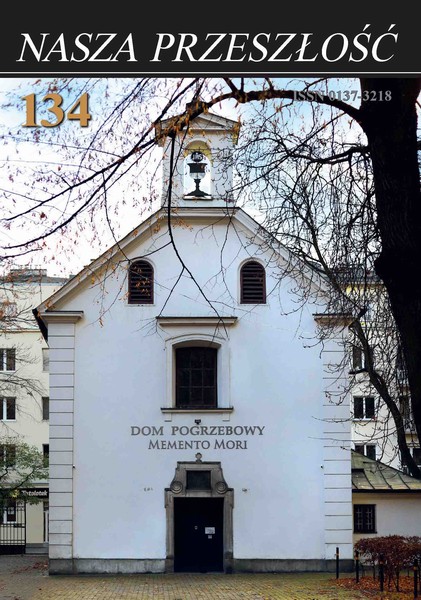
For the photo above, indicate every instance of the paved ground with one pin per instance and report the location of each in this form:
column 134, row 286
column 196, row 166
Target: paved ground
column 26, row 578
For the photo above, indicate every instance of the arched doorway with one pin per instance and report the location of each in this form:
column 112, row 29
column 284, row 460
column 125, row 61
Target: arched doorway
column 199, row 507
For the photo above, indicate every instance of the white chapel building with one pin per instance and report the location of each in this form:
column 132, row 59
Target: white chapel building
column 194, row 419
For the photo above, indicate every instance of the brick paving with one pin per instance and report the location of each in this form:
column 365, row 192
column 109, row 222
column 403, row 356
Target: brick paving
column 26, row 578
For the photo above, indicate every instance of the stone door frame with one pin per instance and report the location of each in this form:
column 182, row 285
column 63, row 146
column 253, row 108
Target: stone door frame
column 218, row 489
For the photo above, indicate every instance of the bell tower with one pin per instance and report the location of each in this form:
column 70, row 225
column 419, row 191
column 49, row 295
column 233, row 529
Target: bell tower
column 202, row 172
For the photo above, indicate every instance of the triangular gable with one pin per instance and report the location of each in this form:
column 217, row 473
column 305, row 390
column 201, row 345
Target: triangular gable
column 145, row 228
column 206, row 121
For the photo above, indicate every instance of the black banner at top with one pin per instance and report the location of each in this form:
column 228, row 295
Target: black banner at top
column 358, row 40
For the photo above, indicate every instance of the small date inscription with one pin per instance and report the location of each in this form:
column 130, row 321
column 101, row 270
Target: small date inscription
column 79, row 111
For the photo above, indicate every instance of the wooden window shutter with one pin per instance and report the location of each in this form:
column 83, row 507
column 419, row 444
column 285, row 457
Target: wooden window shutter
column 253, row 283
column 141, row 279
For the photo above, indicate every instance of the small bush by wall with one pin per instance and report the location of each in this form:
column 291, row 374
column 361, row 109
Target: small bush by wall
column 393, row 553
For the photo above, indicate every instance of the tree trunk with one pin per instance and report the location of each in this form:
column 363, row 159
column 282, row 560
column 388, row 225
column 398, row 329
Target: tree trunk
column 391, row 129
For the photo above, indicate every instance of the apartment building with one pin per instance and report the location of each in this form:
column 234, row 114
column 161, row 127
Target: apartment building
column 24, row 402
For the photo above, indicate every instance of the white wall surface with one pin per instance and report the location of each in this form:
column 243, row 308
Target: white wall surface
column 121, row 381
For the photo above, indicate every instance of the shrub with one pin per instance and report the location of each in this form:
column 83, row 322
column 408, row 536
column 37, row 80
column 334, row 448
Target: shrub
column 397, row 552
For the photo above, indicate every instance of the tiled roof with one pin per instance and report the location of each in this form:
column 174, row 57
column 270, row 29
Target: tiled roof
column 373, row 476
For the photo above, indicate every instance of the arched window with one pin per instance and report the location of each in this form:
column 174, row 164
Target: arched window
column 140, row 282
column 252, row 283
column 196, row 377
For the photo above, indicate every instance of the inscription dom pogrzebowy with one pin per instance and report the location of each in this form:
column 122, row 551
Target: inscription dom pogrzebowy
column 197, row 437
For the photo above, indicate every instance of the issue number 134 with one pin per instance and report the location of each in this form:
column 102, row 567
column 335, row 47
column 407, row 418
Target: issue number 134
column 79, row 111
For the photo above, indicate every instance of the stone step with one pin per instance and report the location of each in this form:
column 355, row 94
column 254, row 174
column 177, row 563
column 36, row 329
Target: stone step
column 37, row 549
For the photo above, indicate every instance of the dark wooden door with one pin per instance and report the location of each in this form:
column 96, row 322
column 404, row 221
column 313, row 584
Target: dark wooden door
column 198, row 534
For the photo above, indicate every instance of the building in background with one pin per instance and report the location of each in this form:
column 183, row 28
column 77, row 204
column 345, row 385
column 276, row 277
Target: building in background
column 373, row 428
column 374, row 432
column 386, row 501
column 24, row 399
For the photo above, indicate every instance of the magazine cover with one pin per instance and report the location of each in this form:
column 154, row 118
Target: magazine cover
column 210, row 308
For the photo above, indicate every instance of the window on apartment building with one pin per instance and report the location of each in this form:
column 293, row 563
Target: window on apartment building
column 7, row 359
column 364, row 518
column 141, row 281
column 405, row 410
column 7, row 409
column 400, row 366
column 358, row 361
column 252, row 283
column 196, row 377
column 8, row 511
column 416, row 454
column 46, row 453
column 364, row 407
column 8, row 455
column 368, row 450
column 358, row 358
column 8, row 310
column 45, row 408
column 45, row 359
